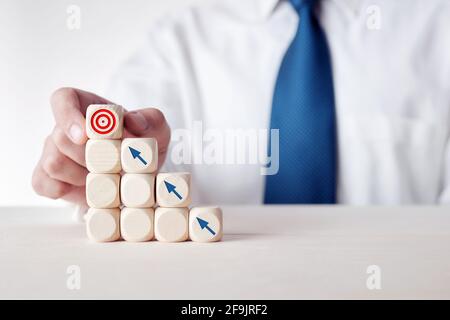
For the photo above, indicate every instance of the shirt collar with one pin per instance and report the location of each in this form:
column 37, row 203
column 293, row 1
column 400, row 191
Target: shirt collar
column 264, row 8
column 250, row 9
column 267, row 7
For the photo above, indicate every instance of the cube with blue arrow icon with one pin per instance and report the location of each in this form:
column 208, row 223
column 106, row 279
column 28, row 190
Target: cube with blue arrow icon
column 173, row 189
column 139, row 155
column 205, row 224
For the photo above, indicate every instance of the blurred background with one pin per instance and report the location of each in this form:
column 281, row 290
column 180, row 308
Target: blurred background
column 42, row 49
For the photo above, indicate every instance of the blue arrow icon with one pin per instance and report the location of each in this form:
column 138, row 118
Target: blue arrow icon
column 204, row 225
column 171, row 189
column 137, row 154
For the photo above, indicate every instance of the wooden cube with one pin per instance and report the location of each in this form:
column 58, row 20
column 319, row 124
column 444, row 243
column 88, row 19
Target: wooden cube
column 136, row 224
column 139, row 155
column 205, row 224
column 171, row 224
column 173, row 189
column 137, row 190
column 102, row 190
column 104, row 121
column 103, row 156
column 102, row 225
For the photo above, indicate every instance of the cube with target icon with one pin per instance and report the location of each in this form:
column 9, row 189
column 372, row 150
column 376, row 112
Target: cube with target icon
column 104, row 121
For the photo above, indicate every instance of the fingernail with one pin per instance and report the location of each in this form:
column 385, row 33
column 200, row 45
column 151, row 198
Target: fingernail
column 138, row 120
column 76, row 133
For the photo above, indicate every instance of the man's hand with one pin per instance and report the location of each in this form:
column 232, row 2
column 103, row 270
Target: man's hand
column 61, row 171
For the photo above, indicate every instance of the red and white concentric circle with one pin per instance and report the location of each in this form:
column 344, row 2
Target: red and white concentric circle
column 103, row 121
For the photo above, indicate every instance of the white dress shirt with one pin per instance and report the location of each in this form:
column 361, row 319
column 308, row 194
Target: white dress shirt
column 217, row 63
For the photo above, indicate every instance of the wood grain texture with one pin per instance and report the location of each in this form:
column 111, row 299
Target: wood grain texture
column 102, row 190
column 102, row 225
column 137, row 190
column 103, row 156
column 171, row 224
column 137, row 224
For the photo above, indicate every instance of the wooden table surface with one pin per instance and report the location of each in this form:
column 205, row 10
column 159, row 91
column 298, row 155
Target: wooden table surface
column 271, row 252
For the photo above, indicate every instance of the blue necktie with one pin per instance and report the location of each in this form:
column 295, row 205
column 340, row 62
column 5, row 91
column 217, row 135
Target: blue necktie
column 303, row 111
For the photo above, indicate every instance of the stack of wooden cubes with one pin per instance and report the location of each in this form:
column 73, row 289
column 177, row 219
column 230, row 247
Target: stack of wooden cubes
column 139, row 189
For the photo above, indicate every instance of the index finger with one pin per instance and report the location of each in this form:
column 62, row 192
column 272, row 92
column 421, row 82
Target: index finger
column 69, row 109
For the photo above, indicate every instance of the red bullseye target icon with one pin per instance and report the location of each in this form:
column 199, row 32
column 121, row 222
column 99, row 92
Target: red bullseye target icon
column 103, row 121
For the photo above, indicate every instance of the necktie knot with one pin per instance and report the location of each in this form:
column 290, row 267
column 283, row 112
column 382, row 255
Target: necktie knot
column 300, row 4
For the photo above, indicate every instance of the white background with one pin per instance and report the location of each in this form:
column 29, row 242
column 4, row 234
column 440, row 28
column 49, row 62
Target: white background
column 39, row 53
